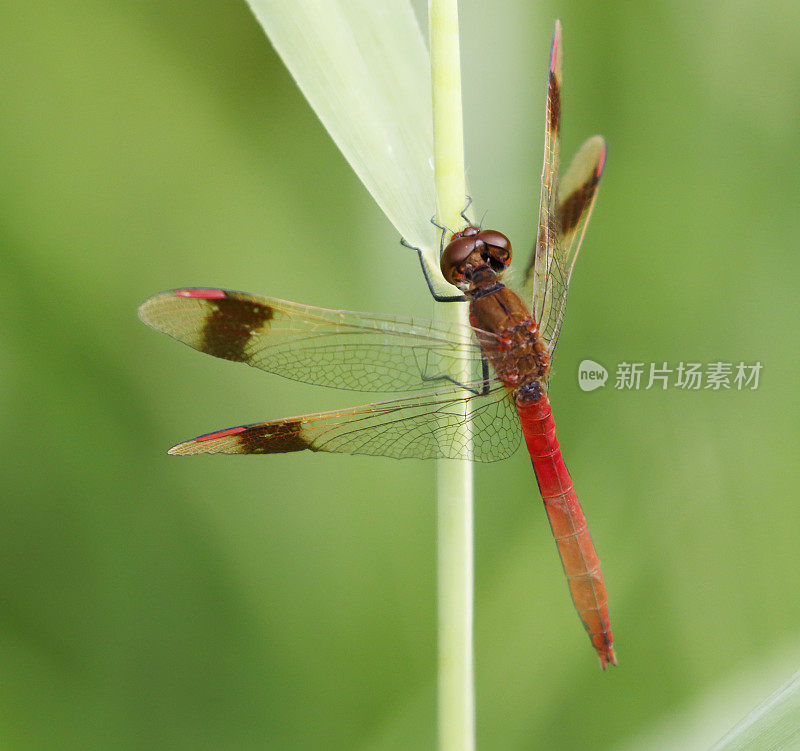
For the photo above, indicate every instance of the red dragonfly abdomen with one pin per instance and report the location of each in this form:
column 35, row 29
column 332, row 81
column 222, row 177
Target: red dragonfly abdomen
column 575, row 546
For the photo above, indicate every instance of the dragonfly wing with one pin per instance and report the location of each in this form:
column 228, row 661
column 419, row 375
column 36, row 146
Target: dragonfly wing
column 541, row 260
column 421, row 427
column 564, row 210
column 576, row 197
column 335, row 348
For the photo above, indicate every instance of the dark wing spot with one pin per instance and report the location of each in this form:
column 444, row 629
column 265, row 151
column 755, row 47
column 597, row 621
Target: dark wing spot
column 575, row 204
column 274, row 438
column 228, row 327
column 554, row 104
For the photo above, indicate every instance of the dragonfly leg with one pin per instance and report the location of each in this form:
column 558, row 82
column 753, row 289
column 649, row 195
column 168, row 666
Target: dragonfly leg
column 471, row 389
column 436, row 224
column 484, row 389
column 463, row 214
column 465, row 209
column 434, row 294
column 444, row 234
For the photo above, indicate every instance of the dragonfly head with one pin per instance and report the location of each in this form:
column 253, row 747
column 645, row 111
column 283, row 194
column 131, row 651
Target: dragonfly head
column 474, row 255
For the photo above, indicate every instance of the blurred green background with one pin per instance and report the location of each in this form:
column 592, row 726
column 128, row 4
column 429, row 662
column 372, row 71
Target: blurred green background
column 288, row 602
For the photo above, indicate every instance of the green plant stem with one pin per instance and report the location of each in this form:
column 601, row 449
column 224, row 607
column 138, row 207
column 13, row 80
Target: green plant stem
column 456, row 694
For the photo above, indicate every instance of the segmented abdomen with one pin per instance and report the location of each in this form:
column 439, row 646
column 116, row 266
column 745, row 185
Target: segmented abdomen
column 578, row 555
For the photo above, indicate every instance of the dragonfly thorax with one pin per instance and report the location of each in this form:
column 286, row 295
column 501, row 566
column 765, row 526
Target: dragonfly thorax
column 515, row 348
column 475, row 257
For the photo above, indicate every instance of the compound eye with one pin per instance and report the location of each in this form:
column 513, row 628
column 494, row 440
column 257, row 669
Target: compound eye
column 498, row 248
column 454, row 256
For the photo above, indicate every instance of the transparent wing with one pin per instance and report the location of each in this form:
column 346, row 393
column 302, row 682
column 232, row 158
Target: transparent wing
column 425, row 426
column 334, row 348
column 542, row 259
column 576, row 197
column 564, row 210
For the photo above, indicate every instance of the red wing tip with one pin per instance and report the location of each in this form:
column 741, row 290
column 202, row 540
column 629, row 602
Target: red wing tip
column 555, row 50
column 601, row 162
column 202, row 293
column 219, row 434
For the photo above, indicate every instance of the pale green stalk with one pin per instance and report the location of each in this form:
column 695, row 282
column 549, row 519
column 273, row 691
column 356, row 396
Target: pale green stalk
column 453, row 479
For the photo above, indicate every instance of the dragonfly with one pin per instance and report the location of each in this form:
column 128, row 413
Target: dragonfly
column 466, row 391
